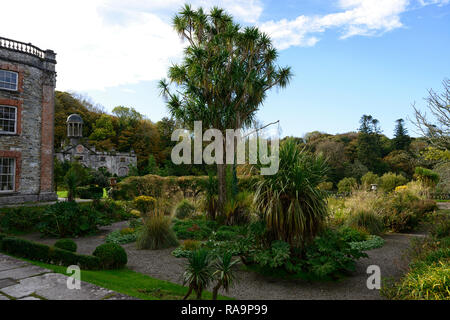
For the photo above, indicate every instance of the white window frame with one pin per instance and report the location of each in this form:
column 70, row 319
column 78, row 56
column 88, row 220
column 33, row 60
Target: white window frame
column 13, row 175
column 17, row 81
column 15, row 120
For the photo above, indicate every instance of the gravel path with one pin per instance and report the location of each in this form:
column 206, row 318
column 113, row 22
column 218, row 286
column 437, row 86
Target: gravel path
column 249, row 285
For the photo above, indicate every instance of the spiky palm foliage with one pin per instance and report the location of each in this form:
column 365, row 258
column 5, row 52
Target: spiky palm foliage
column 224, row 273
column 224, row 76
column 290, row 201
column 198, row 274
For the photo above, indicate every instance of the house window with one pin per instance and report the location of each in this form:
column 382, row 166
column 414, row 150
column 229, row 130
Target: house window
column 9, row 80
column 8, row 119
column 7, row 174
column 102, row 159
column 122, row 159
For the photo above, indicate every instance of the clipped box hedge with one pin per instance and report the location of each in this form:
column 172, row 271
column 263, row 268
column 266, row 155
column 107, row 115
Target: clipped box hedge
column 44, row 253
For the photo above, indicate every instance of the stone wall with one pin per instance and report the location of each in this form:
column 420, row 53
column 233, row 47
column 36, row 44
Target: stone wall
column 115, row 162
column 33, row 143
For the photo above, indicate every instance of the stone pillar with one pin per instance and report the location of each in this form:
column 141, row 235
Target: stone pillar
column 47, row 191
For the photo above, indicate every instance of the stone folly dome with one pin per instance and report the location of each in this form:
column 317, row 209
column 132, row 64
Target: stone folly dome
column 74, row 126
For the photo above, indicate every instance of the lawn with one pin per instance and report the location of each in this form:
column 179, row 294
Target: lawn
column 63, row 193
column 131, row 283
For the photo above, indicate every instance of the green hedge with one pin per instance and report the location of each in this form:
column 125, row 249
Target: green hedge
column 41, row 252
column 90, row 192
column 157, row 186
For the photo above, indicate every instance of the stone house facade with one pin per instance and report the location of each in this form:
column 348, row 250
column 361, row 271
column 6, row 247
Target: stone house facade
column 114, row 162
column 27, row 90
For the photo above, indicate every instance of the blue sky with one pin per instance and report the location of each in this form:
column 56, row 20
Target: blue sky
column 349, row 57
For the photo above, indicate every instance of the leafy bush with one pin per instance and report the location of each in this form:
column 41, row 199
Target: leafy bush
column 90, row 192
column 66, row 244
column 366, row 220
column 145, row 204
column 440, row 227
column 120, row 237
column 403, row 211
column 156, row 233
column 277, row 256
column 329, row 255
column 112, row 211
column 369, row 178
column 326, row 186
column 350, row 234
column 427, row 177
column 373, row 242
column 194, row 229
column 20, row 219
column 186, row 248
column 347, row 184
column 389, row 181
column 111, row 255
column 184, row 209
column 69, row 219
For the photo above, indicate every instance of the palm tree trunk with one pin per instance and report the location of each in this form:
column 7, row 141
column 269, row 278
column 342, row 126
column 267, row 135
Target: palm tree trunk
column 199, row 294
column 222, row 184
column 188, row 293
column 216, row 290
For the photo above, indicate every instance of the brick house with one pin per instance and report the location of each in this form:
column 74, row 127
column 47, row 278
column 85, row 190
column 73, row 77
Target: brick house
column 27, row 87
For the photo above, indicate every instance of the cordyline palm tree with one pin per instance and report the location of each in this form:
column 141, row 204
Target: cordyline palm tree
column 224, row 77
column 293, row 206
column 224, row 272
column 198, row 274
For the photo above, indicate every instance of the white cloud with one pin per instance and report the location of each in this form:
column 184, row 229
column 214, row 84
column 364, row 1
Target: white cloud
column 107, row 43
column 358, row 17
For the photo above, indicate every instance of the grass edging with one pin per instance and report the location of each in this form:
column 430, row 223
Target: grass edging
column 130, row 283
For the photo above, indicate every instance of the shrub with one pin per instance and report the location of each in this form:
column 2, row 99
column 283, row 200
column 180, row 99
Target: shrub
column 69, row 219
column 293, row 208
column 389, row 181
column 145, row 204
column 237, row 210
column 111, row 255
column 90, row 192
column 427, row 177
column 193, row 229
column 274, row 257
column 369, row 178
column 112, row 211
column 191, row 245
column 20, row 218
column 350, row 234
column 347, row 185
column 403, row 211
column 441, row 226
column 428, row 277
column 120, row 237
column 326, row 186
column 373, row 242
column 329, row 255
column 184, row 209
column 40, row 252
column 156, row 234
column 66, row 244
column 225, row 235
column 366, row 220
